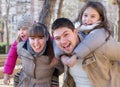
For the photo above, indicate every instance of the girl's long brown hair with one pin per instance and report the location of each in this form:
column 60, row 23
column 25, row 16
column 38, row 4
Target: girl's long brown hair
column 102, row 12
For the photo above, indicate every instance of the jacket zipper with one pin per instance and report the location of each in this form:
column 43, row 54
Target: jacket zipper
column 34, row 70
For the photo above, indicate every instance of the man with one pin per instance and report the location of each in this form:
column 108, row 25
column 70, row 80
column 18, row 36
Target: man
column 66, row 38
column 86, row 55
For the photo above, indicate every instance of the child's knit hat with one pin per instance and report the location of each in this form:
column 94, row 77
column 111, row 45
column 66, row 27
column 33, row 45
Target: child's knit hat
column 25, row 21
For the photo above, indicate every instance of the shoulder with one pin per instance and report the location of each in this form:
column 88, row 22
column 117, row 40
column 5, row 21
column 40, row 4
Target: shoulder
column 19, row 47
column 98, row 30
column 20, row 44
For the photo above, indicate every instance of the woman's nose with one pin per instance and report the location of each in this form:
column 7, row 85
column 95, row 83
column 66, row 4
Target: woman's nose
column 36, row 41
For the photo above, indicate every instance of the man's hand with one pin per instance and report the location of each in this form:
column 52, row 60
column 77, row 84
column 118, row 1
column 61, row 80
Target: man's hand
column 64, row 59
column 69, row 61
column 72, row 61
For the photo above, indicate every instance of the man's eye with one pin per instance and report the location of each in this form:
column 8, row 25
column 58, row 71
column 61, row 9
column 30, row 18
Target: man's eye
column 66, row 35
column 57, row 39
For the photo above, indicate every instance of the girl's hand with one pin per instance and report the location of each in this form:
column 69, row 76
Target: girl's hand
column 6, row 79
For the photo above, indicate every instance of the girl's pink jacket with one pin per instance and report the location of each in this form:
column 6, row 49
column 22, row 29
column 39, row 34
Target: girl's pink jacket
column 11, row 59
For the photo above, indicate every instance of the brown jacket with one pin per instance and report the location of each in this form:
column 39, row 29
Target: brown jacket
column 100, row 58
column 36, row 71
column 101, row 64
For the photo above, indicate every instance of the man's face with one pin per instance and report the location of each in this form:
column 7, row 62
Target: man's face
column 66, row 39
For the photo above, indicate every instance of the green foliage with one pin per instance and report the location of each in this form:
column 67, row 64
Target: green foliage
column 2, row 44
column 114, row 2
column 83, row 0
column 2, row 48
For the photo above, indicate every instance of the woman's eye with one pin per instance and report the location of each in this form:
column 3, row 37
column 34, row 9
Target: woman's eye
column 41, row 37
column 32, row 38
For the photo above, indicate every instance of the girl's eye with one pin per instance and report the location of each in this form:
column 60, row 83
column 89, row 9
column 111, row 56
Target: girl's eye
column 85, row 15
column 92, row 16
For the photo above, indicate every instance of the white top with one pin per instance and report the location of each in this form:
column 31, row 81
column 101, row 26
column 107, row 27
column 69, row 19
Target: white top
column 79, row 75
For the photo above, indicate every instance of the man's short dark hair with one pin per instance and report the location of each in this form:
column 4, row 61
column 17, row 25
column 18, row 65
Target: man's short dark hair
column 62, row 22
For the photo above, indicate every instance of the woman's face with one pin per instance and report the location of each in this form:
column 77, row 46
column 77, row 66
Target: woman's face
column 37, row 43
column 90, row 16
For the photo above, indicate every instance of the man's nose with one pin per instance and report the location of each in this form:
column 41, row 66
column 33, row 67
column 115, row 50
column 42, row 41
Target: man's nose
column 63, row 40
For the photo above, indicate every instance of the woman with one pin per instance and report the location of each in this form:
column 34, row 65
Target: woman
column 37, row 55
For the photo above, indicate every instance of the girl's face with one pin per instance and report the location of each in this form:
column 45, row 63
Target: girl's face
column 23, row 33
column 37, row 43
column 90, row 16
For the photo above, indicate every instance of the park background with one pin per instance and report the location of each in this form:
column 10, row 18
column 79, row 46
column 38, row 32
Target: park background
column 45, row 11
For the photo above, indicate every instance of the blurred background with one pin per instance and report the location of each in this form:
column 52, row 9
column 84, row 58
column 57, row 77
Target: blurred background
column 46, row 11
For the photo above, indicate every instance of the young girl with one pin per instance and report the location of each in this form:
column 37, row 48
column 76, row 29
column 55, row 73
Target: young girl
column 36, row 54
column 94, row 60
column 23, row 25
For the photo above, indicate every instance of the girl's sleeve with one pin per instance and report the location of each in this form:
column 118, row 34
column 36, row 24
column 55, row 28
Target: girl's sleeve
column 91, row 42
column 57, row 51
column 11, row 59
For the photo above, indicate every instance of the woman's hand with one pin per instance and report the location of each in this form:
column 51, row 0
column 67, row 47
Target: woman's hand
column 54, row 62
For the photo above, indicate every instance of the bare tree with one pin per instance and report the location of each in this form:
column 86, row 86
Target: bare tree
column 46, row 13
column 60, row 6
column 119, row 20
column 6, row 24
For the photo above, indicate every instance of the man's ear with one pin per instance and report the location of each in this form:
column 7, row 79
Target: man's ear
column 76, row 31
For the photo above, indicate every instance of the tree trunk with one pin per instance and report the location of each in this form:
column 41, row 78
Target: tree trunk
column 6, row 24
column 60, row 6
column 119, row 21
column 46, row 13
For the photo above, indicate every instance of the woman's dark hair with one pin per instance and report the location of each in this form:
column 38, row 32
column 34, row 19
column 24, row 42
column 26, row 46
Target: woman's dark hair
column 40, row 30
column 102, row 12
